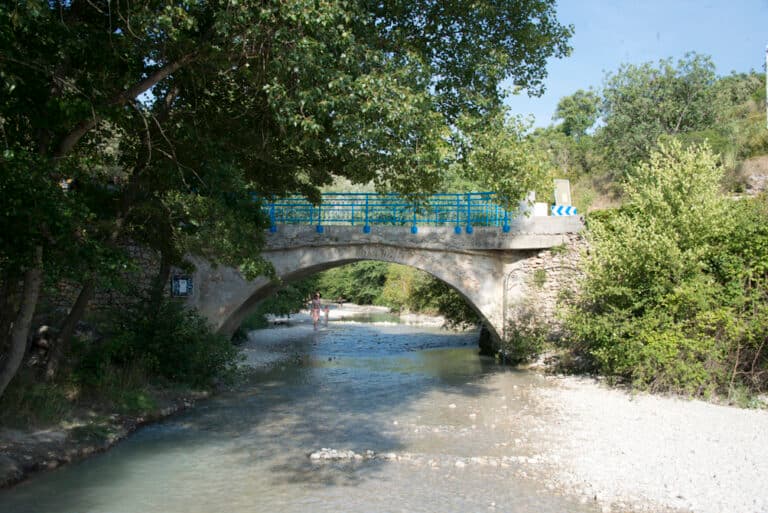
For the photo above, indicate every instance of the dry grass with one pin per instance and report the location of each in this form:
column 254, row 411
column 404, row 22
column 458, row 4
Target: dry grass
column 752, row 175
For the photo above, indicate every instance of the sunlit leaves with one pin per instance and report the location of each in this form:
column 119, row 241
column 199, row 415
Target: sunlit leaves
column 644, row 102
column 675, row 280
column 503, row 158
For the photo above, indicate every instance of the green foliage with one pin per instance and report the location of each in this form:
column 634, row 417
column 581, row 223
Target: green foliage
column 124, row 385
column 675, row 294
column 29, row 403
column 739, row 132
column 172, row 342
column 256, row 321
column 578, row 113
column 287, row 300
column 492, row 38
column 433, row 294
column 539, row 277
column 290, row 298
column 643, row 102
column 37, row 211
column 399, row 288
column 525, row 338
column 362, row 90
column 360, row 282
column 222, row 224
column 559, row 250
column 501, row 157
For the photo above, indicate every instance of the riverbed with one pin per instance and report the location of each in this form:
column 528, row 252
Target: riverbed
column 369, row 414
column 420, row 398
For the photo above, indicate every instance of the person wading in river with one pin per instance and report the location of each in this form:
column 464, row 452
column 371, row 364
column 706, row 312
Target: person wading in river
column 315, row 309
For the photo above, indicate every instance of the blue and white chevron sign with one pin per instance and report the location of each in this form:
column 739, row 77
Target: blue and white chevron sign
column 562, row 210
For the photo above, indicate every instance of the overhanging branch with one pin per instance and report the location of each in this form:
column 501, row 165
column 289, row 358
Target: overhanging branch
column 82, row 128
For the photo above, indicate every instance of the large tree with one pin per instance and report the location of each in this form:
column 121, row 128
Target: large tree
column 181, row 109
column 578, row 112
column 642, row 103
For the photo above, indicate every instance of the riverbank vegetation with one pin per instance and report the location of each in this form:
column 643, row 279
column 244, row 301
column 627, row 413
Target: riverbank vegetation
column 676, row 288
column 133, row 136
column 124, row 361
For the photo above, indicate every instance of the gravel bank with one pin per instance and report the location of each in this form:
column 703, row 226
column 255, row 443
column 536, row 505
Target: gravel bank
column 645, row 452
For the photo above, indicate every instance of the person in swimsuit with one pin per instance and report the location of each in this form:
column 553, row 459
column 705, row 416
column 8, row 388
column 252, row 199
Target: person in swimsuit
column 314, row 308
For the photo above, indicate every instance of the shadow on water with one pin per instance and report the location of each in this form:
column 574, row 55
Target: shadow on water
column 339, row 388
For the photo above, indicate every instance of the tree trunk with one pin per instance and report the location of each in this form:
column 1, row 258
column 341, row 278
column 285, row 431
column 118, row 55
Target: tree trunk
column 64, row 337
column 8, row 309
column 33, row 280
column 160, row 282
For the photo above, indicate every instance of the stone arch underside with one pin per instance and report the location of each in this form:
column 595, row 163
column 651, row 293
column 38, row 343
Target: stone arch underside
column 226, row 298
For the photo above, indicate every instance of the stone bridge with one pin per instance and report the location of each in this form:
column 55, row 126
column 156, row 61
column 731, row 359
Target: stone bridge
column 495, row 271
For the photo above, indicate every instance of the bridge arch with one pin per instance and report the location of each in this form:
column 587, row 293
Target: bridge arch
column 471, row 274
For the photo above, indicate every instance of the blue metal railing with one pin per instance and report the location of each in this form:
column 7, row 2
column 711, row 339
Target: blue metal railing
column 460, row 210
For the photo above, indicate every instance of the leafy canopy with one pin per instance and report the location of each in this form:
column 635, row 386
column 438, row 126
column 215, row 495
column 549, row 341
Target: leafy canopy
column 163, row 103
column 642, row 103
column 578, row 112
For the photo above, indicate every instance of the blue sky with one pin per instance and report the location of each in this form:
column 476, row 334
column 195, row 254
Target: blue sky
column 611, row 32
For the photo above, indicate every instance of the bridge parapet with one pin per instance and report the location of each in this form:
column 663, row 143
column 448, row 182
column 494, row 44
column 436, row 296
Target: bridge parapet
column 524, row 234
column 463, row 211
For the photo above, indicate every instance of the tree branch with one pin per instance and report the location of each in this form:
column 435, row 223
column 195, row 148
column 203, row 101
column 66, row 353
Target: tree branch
column 82, row 128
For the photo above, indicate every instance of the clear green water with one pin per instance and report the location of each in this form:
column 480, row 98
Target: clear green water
column 422, row 394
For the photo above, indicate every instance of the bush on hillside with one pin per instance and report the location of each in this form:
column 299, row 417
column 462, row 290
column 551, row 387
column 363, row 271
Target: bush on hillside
column 675, row 290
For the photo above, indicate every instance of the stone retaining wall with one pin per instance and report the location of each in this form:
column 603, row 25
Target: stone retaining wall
column 550, row 280
column 133, row 281
column 543, row 283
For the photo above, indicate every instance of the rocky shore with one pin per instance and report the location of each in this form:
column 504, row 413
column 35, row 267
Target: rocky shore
column 655, row 452
column 23, row 453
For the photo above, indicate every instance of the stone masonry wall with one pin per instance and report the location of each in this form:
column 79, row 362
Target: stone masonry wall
column 544, row 282
column 61, row 297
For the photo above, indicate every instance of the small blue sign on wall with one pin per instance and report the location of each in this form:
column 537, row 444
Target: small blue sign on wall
column 181, row 285
column 562, row 210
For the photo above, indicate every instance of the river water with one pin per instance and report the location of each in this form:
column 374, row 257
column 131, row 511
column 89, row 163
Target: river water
column 446, row 429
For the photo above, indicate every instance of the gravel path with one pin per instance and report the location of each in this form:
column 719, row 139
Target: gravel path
column 651, row 452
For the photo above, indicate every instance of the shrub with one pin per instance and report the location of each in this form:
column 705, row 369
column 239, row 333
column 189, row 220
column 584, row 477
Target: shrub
column 171, row 342
column 674, row 296
column 525, row 337
column 27, row 402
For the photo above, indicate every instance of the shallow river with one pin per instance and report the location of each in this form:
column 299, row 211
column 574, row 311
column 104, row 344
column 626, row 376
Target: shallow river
column 442, row 422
